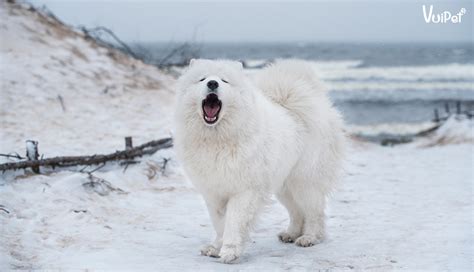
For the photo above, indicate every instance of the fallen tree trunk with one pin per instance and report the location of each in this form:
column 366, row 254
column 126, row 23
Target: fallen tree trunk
column 144, row 149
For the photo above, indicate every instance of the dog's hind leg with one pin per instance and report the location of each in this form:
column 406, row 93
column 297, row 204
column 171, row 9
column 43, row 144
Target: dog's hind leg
column 295, row 228
column 312, row 203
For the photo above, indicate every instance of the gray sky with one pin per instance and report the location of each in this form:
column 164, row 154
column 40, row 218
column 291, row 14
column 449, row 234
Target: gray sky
column 266, row 21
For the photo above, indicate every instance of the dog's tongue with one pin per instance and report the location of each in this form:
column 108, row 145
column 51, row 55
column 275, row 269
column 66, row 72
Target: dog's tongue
column 211, row 105
column 211, row 110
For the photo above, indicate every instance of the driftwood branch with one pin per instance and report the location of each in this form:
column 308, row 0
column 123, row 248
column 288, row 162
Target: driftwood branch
column 61, row 101
column 67, row 161
column 14, row 155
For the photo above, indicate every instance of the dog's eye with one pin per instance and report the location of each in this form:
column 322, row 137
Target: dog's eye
column 202, row 79
column 223, row 80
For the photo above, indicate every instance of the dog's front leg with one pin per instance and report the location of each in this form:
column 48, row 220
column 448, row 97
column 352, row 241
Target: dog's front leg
column 240, row 215
column 216, row 210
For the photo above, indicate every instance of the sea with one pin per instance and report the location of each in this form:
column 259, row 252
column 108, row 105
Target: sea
column 379, row 87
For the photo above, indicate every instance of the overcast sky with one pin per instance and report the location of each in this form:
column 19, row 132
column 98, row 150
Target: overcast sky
column 266, row 21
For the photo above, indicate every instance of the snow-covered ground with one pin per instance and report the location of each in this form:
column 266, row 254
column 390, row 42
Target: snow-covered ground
column 404, row 207
column 398, row 208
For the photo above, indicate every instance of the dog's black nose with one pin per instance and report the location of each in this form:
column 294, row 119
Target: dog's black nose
column 212, row 84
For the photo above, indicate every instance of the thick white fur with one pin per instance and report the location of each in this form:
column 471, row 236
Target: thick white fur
column 276, row 134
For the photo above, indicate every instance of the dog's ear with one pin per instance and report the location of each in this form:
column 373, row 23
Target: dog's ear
column 192, row 61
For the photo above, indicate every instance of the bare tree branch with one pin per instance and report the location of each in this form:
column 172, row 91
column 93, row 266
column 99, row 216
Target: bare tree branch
column 105, row 37
column 96, row 34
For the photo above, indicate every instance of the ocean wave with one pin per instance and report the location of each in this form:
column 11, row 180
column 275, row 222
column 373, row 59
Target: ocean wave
column 401, row 95
column 401, row 86
column 401, row 80
column 389, row 128
column 340, row 70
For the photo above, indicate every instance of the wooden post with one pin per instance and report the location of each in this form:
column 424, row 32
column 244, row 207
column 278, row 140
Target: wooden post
column 446, row 107
column 32, row 153
column 128, row 143
column 436, row 115
column 458, row 107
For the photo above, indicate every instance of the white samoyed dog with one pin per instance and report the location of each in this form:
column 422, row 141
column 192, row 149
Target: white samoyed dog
column 242, row 139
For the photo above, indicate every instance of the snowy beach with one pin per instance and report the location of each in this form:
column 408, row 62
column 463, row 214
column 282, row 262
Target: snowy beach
column 390, row 213
column 405, row 207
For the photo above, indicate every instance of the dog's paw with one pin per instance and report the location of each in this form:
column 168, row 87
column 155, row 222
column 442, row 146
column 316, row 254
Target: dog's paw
column 285, row 237
column 308, row 240
column 210, row 250
column 229, row 254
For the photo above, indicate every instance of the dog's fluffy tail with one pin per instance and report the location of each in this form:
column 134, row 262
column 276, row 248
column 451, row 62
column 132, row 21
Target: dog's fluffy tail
column 293, row 85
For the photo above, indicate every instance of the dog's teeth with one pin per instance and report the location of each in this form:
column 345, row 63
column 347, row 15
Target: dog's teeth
column 210, row 119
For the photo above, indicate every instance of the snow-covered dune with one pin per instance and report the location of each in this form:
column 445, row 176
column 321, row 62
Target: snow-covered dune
column 70, row 94
column 403, row 207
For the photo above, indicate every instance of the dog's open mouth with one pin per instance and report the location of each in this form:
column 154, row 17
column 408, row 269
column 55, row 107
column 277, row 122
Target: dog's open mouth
column 211, row 106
